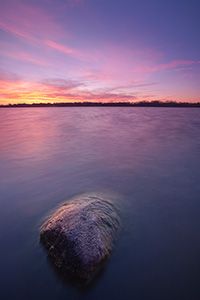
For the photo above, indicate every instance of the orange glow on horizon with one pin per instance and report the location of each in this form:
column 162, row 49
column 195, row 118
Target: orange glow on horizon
column 16, row 92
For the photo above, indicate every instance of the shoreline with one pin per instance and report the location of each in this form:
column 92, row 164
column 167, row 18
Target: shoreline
column 99, row 104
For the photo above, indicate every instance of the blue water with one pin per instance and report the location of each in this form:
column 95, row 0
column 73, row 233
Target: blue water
column 147, row 160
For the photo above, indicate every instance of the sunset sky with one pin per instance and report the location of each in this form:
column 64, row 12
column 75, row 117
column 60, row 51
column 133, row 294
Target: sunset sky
column 99, row 50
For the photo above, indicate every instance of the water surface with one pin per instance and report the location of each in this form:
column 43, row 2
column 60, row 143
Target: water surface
column 145, row 159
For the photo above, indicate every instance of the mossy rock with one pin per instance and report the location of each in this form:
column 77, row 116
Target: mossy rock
column 79, row 236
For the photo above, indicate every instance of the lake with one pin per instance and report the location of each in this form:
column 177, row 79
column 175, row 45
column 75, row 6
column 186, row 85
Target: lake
column 147, row 160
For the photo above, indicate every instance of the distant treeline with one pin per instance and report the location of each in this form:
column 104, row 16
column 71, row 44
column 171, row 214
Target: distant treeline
column 135, row 104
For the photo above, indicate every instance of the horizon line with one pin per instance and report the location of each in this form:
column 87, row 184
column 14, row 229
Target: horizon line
column 155, row 103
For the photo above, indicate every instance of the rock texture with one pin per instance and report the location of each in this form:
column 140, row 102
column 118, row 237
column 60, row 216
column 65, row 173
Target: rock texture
column 79, row 236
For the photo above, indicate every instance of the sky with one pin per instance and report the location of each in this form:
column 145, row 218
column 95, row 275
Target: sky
column 99, row 51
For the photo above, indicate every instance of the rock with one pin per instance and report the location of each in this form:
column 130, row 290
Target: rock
column 79, row 236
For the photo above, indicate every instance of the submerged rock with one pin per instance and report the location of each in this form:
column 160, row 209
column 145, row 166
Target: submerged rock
column 79, row 236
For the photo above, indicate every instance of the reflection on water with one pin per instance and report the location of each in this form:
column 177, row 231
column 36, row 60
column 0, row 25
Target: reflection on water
column 147, row 159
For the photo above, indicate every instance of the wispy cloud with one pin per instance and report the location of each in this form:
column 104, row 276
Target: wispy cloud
column 173, row 64
column 16, row 31
column 137, row 84
column 8, row 77
column 55, row 90
column 28, row 21
column 11, row 51
column 62, row 84
column 25, row 56
column 97, row 75
column 183, row 69
column 62, row 48
column 90, row 96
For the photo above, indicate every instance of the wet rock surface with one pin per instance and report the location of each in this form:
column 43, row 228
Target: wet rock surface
column 79, row 236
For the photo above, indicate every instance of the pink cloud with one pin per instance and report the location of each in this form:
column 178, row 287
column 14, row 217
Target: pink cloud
column 183, row 69
column 61, row 84
column 89, row 96
column 31, row 59
column 58, row 90
column 173, row 64
column 189, row 75
column 97, row 75
column 8, row 77
column 61, row 48
column 10, row 96
column 13, row 30
column 16, row 90
column 176, row 65
column 11, row 51
column 123, row 62
column 28, row 21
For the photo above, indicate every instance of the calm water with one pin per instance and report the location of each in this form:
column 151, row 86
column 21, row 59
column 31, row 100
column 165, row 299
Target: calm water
column 146, row 159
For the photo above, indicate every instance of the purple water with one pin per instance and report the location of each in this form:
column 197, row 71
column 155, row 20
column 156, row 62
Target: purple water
column 146, row 159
